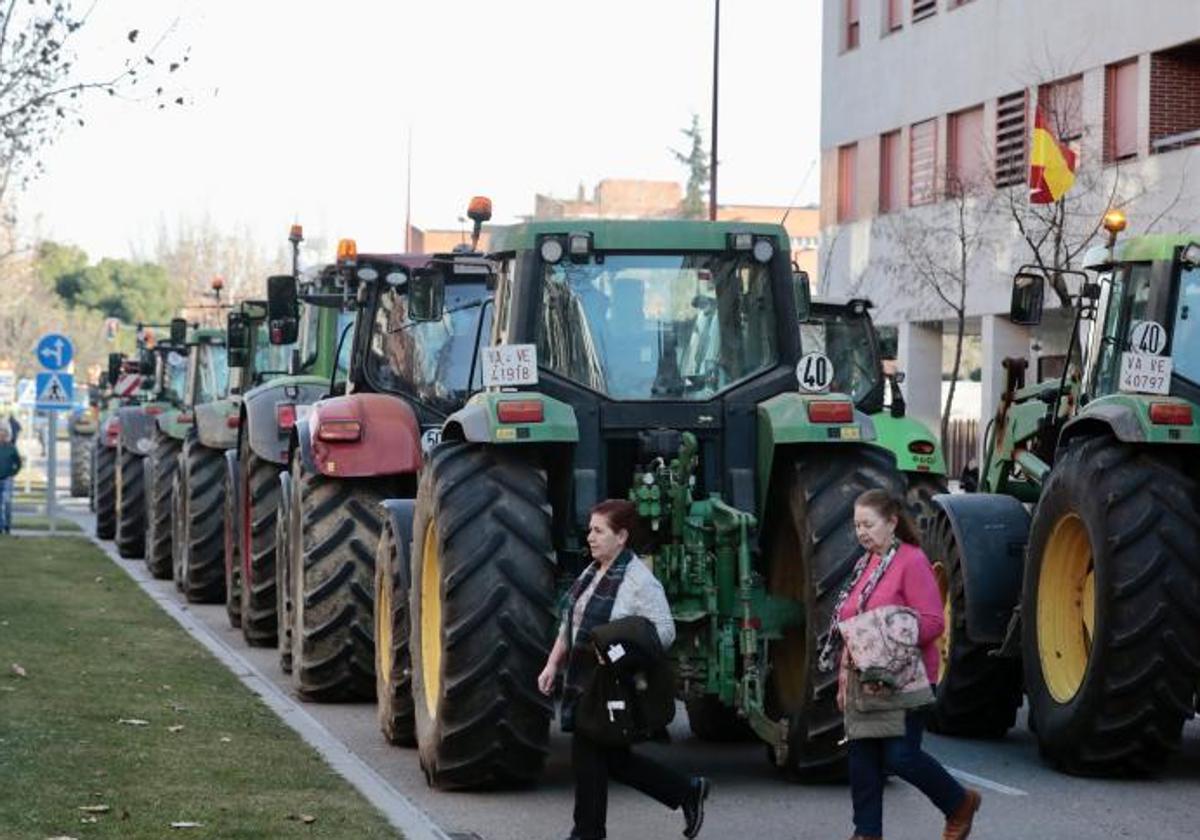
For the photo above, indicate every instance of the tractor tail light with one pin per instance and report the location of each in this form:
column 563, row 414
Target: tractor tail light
column 185, row 417
column 154, row 410
column 1170, row 414
column 233, row 421
column 285, row 415
column 339, row 430
column 921, row 447
column 830, row 412
column 520, row 411
column 111, row 433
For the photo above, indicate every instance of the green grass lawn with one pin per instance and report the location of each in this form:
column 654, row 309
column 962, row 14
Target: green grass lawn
column 42, row 523
column 95, row 651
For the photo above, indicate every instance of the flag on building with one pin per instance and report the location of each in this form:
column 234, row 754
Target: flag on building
column 1051, row 164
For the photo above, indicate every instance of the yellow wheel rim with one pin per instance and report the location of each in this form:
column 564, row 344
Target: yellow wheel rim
column 431, row 620
column 383, row 626
column 943, row 582
column 1066, row 608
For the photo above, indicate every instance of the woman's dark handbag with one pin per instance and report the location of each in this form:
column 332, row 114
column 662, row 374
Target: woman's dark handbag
column 630, row 694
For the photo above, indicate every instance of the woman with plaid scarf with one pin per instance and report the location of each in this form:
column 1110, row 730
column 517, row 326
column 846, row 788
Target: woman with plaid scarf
column 615, row 585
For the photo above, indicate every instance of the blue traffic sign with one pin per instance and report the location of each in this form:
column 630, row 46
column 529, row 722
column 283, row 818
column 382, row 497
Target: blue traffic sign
column 55, row 391
column 54, row 352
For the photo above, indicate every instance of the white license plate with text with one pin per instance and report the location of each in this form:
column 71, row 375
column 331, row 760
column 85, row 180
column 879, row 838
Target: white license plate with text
column 510, row 365
column 1143, row 373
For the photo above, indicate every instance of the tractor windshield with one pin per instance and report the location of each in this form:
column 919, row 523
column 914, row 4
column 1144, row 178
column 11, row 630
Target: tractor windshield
column 270, row 359
column 429, row 361
column 847, row 340
column 345, row 326
column 213, row 373
column 658, row 326
column 175, row 366
column 1185, row 338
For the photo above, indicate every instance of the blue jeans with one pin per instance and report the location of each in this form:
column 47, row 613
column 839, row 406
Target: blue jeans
column 6, row 499
column 872, row 759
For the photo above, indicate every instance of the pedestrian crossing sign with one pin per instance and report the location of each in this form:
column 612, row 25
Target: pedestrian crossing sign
column 55, row 391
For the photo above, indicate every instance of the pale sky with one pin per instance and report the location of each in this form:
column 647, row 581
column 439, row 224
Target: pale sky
column 301, row 110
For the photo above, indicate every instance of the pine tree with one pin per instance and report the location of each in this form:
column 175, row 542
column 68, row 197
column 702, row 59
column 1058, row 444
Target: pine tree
column 696, row 160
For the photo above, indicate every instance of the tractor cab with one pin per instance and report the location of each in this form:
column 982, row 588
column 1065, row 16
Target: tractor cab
column 845, row 334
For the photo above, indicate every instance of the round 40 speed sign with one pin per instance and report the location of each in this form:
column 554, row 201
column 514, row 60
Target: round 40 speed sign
column 814, row 372
column 1147, row 337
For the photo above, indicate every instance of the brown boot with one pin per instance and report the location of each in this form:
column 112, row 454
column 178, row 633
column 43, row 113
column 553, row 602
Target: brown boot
column 958, row 824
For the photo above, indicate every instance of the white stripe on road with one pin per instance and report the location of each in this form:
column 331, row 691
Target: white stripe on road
column 395, row 806
column 988, row 784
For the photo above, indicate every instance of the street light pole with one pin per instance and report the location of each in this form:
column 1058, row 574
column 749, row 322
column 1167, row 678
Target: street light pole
column 712, row 166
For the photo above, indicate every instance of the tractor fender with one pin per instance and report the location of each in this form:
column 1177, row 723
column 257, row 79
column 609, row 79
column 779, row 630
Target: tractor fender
column 260, row 424
column 110, row 430
column 138, row 428
column 400, row 514
column 388, row 443
column 169, row 424
column 1127, row 418
column 991, row 531
column 213, row 428
column 233, row 484
column 478, row 421
column 896, row 434
column 301, row 445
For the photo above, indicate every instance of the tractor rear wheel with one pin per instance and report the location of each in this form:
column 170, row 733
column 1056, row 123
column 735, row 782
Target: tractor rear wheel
column 287, row 529
column 711, row 720
column 393, row 665
column 482, row 616
column 106, row 492
column 160, row 467
column 81, row 463
column 977, row 694
column 233, row 545
column 131, row 505
column 920, row 488
column 202, row 490
column 259, row 502
column 812, row 549
column 333, row 580
column 1110, row 640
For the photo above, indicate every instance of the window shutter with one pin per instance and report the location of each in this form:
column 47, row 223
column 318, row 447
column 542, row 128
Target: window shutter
column 922, row 160
column 1011, row 134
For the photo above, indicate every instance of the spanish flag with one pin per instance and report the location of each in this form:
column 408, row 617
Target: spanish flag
column 1051, row 165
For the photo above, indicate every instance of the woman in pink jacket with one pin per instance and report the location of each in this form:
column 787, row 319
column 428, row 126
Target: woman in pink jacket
column 895, row 572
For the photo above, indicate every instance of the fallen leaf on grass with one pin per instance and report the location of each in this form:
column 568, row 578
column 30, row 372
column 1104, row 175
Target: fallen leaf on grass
column 62, row 837
column 99, row 578
column 88, row 820
column 176, row 728
column 95, row 809
column 133, row 722
column 18, row 670
column 307, row 819
column 225, row 739
column 185, row 824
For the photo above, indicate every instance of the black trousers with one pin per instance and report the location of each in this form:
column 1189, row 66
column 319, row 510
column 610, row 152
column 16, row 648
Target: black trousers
column 594, row 764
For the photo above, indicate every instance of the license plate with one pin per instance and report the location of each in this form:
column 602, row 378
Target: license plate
column 510, row 365
column 1143, row 373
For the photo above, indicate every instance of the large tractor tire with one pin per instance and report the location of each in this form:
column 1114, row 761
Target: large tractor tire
column 482, row 616
column 287, row 531
column 711, row 720
column 920, row 488
column 106, row 492
column 81, row 463
column 333, row 581
column 977, row 694
column 131, row 505
column 1110, row 637
column 259, row 501
column 393, row 665
column 232, row 546
column 812, row 549
column 201, row 567
column 160, row 467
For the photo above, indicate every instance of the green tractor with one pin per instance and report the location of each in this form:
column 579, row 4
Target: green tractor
column 83, row 426
column 283, row 378
column 1092, row 598
column 161, row 391
column 198, row 483
column 846, row 335
column 662, row 362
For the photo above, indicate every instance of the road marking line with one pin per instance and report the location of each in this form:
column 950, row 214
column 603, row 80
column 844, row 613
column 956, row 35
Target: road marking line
column 980, row 781
column 395, row 806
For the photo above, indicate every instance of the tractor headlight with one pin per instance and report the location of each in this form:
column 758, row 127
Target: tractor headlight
column 551, row 251
column 764, row 249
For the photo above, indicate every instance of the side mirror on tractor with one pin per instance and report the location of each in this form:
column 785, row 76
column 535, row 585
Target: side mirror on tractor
column 426, row 294
column 179, row 332
column 283, row 309
column 803, row 295
column 114, row 367
column 1028, row 293
column 237, row 339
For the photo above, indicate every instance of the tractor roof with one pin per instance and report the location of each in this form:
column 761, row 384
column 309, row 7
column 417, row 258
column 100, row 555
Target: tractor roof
column 635, row 234
column 1156, row 246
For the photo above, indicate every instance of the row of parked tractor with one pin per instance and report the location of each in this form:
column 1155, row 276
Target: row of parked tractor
column 385, row 469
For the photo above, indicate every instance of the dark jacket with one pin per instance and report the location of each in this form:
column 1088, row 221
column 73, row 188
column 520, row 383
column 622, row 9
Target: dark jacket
column 630, row 694
column 10, row 461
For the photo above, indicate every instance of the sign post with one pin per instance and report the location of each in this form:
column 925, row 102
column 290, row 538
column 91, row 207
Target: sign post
column 55, row 393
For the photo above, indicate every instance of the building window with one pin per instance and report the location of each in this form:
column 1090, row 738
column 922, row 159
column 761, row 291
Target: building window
column 1120, row 111
column 1175, row 98
column 847, row 159
column 1011, row 132
column 922, row 162
column 1061, row 104
column 890, row 168
column 966, row 158
column 922, row 9
column 893, row 17
column 851, row 24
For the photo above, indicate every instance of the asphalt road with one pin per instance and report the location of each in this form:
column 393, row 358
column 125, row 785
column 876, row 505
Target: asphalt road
column 1022, row 797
